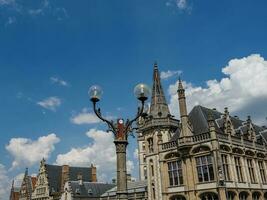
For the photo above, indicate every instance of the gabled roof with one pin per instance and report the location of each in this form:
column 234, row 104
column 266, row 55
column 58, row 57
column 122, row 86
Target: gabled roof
column 54, row 173
column 198, row 117
column 88, row 189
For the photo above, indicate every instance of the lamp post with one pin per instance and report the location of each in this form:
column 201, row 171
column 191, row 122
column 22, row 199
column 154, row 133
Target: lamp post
column 121, row 130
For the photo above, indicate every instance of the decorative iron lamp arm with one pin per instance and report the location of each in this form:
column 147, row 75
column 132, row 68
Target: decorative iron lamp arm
column 99, row 115
column 140, row 112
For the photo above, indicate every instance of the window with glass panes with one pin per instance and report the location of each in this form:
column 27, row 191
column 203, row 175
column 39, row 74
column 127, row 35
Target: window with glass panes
column 204, row 168
column 225, row 165
column 251, row 171
column 175, row 173
column 238, row 168
column 262, row 172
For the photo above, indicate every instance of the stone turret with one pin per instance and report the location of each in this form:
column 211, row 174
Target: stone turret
column 183, row 111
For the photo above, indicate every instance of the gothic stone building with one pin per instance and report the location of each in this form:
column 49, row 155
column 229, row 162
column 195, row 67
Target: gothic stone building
column 206, row 155
column 52, row 178
column 27, row 186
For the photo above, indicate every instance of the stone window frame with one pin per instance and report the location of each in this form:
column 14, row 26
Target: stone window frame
column 226, row 167
column 239, row 169
column 251, row 170
column 262, row 171
column 205, row 166
column 175, row 169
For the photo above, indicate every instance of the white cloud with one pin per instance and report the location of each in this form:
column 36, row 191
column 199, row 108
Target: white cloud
column 181, row 5
column 56, row 80
column 136, row 153
column 41, row 10
column 50, row 103
column 4, row 183
column 100, row 152
column 6, row 2
column 11, row 20
column 27, row 152
column 130, row 166
column 168, row 74
column 85, row 117
column 243, row 90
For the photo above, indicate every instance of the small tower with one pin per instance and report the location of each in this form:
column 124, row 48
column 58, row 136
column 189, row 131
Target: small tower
column 183, row 111
column 154, row 129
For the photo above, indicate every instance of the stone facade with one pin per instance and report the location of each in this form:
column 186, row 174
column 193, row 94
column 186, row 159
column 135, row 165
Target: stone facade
column 206, row 155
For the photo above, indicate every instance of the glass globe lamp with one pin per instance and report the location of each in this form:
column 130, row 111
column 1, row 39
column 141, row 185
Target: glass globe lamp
column 142, row 91
column 95, row 93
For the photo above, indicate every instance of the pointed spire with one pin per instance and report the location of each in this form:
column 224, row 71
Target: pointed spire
column 180, row 85
column 26, row 171
column 159, row 106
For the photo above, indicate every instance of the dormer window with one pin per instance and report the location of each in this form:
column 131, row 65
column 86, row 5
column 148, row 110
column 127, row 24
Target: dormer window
column 90, row 192
column 77, row 191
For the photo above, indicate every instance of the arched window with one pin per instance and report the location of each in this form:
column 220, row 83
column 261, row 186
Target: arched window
column 175, row 173
column 256, row 196
column 178, row 197
column 243, row 196
column 150, row 145
column 230, row 195
column 209, row 196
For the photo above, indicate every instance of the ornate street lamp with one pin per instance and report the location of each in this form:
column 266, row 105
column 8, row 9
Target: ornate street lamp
column 121, row 131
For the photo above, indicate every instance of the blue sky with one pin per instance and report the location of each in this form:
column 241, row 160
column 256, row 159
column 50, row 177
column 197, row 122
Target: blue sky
column 52, row 51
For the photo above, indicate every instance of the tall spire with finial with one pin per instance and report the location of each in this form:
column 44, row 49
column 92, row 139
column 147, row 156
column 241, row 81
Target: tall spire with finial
column 159, row 106
column 183, row 110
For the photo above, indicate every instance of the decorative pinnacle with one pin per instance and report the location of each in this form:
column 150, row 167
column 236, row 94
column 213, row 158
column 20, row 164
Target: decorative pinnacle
column 180, row 84
column 249, row 119
column 26, row 171
column 226, row 111
column 155, row 65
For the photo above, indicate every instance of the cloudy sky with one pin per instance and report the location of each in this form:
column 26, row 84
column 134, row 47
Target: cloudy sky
column 51, row 51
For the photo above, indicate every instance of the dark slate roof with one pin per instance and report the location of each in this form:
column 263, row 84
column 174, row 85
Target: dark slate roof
column 89, row 189
column 198, row 117
column 137, row 186
column 175, row 135
column 54, row 175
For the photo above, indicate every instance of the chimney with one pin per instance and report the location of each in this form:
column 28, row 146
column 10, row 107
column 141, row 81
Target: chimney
column 93, row 173
column 64, row 176
column 114, row 181
column 80, row 178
